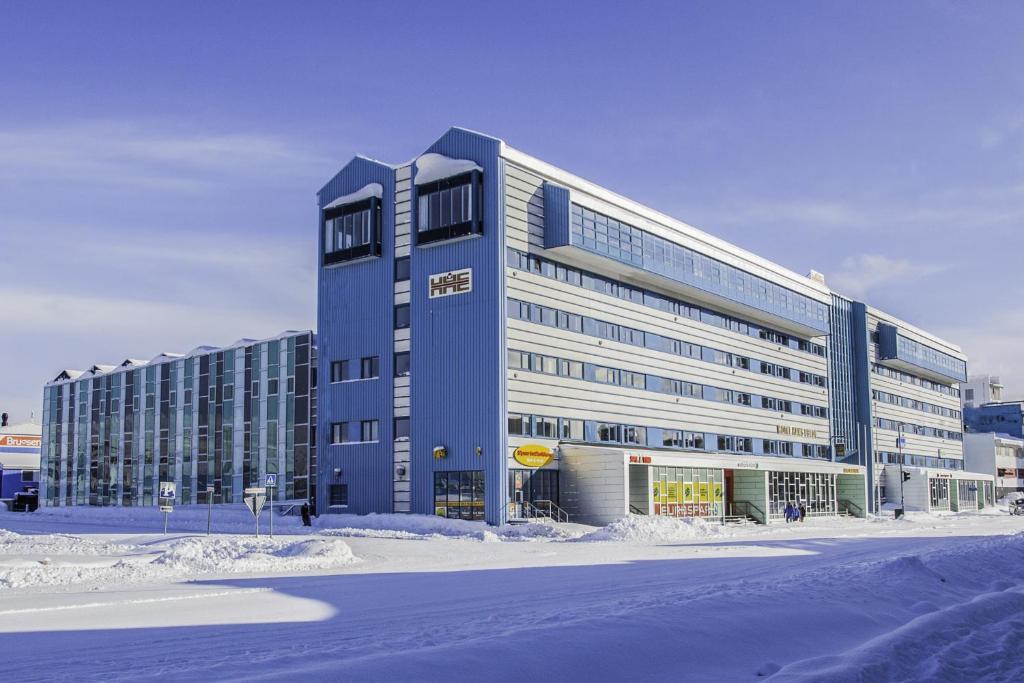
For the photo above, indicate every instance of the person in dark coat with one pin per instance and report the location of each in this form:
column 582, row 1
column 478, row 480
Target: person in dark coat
column 306, row 521
column 802, row 512
column 789, row 513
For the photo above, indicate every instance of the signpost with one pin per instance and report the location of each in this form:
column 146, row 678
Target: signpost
column 209, row 510
column 254, row 498
column 167, row 493
column 271, row 483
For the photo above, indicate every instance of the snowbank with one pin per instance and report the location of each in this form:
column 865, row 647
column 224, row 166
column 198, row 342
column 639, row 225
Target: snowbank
column 60, row 560
column 643, row 529
column 420, row 527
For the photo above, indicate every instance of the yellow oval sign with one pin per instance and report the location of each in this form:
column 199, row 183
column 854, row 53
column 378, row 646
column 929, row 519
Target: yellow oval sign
column 533, row 455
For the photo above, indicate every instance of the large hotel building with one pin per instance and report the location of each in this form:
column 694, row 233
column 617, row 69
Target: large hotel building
column 497, row 338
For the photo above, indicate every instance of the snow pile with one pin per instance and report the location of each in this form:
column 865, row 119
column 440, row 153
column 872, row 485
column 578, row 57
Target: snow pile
column 226, row 518
column 12, row 544
column 421, row 527
column 644, row 529
column 239, row 554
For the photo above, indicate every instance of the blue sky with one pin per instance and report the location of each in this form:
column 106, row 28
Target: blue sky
column 159, row 163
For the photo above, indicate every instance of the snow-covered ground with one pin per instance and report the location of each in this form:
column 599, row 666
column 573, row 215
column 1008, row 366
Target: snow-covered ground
column 102, row 594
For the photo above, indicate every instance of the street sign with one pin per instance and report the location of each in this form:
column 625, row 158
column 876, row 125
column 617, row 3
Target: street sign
column 901, row 442
column 254, row 498
column 166, row 508
column 271, row 481
column 167, row 489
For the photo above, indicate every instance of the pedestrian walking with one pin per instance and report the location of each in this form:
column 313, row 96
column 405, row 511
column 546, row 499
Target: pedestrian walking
column 306, row 521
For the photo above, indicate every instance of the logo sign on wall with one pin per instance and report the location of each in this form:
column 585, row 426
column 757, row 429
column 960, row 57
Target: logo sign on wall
column 533, row 455
column 20, row 441
column 451, row 283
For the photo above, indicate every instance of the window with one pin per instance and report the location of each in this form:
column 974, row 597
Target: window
column 28, row 475
column 402, row 269
column 352, row 231
column 572, row 429
column 449, row 208
column 546, row 427
column 401, row 427
column 339, row 371
column 272, row 386
column 459, row 495
column 339, row 432
column 368, row 430
column 402, row 364
column 402, row 317
column 369, row 367
column 337, row 495
column 518, row 425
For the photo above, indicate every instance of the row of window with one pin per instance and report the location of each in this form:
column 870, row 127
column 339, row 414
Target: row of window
column 589, row 372
column 358, row 431
column 905, row 402
column 344, row 371
column 352, row 231
column 925, row 356
column 606, row 236
column 553, row 317
column 596, row 283
column 592, row 431
column 920, row 430
column 366, row 431
column 893, row 458
column 901, row 376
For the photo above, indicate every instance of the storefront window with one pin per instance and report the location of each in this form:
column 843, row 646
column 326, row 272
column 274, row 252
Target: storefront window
column 459, row 495
column 688, row 491
column 816, row 491
column 938, row 490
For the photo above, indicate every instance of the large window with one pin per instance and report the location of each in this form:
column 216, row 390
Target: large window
column 449, row 208
column 352, row 231
column 337, row 495
column 815, row 491
column 364, row 431
column 459, row 495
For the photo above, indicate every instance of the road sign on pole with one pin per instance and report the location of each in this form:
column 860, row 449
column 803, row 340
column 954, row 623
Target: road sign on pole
column 271, row 483
column 167, row 492
column 254, row 498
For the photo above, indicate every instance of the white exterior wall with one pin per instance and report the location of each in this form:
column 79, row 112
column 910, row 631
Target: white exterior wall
column 539, row 394
column 885, row 439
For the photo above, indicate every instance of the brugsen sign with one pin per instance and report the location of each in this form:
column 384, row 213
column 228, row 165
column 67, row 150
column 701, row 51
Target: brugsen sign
column 451, row 283
column 20, row 441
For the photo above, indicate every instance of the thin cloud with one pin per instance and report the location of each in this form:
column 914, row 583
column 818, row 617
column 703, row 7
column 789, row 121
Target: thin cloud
column 129, row 153
column 859, row 275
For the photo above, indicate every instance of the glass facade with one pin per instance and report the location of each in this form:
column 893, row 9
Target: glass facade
column 814, row 490
column 688, row 491
column 219, row 420
column 603, row 235
column 938, row 494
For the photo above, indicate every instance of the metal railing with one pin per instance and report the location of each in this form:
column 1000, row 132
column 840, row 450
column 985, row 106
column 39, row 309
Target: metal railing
column 636, row 511
column 747, row 509
column 538, row 509
column 851, row 508
column 551, row 510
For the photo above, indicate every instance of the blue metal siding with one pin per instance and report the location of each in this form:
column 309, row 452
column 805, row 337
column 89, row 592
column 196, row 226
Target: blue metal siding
column 862, row 389
column 1006, row 418
column 556, row 216
column 457, row 347
column 842, row 380
column 355, row 319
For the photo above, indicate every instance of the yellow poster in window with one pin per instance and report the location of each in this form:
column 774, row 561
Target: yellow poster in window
column 703, row 489
column 718, row 493
column 656, row 489
column 672, row 491
column 687, row 492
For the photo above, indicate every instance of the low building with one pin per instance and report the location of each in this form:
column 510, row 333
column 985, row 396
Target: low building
column 979, row 389
column 1000, row 454
column 213, row 421
column 928, row 489
column 1005, row 417
column 19, row 459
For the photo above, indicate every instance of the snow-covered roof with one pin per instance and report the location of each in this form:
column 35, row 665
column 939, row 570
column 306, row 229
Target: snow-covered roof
column 365, row 192
column 67, row 374
column 30, row 428
column 128, row 362
column 432, row 167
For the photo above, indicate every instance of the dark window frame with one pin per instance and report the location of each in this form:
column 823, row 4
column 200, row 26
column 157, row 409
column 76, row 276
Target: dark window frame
column 372, row 249
column 474, row 226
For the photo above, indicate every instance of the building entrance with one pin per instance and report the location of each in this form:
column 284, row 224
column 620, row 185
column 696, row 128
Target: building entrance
column 938, row 491
column 816, row 491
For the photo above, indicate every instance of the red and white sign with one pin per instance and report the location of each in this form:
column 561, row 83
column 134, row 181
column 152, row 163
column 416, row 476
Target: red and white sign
column 683, row 509
column 20, row 441
column 642, row 459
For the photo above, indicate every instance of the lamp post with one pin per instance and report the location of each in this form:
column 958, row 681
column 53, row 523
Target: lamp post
column 899, row 446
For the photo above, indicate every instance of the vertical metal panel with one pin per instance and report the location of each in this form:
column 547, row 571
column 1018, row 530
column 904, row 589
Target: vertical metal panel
column 355, row 319
column 862, row 390
column 842, row 396
column 556, row 216
column 457, row 349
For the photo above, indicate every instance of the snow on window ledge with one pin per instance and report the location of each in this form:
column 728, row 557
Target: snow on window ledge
column 433, row 167
column 365, row 192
